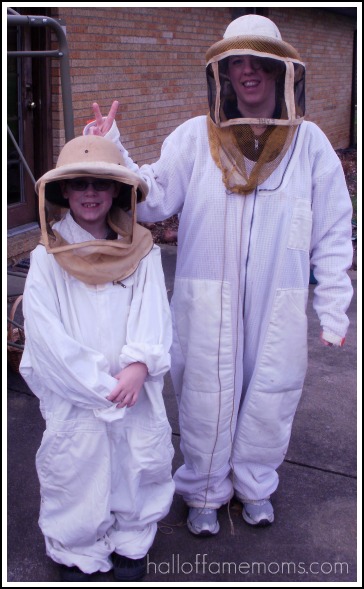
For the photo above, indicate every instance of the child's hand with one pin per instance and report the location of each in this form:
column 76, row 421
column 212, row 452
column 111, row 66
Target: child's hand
column 103, row 124
column 130, row 381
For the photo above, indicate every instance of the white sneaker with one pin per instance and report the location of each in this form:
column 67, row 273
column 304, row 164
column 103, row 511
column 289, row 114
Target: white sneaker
column 258, row 513
column 203, row 521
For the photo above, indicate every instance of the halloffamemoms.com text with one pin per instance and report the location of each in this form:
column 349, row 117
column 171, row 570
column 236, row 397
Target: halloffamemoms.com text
column 202, row 566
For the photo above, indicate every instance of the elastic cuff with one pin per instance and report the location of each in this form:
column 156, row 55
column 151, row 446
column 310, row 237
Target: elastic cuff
column 332, row 338
column 249, row 500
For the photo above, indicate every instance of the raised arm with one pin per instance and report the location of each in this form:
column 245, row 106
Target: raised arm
column 103, row 124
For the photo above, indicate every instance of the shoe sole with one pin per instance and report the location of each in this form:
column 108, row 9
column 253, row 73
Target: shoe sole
column 203, row 533
column 263, row 523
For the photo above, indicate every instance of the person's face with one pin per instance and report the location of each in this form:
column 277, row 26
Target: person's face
column 253, row 84
column 90, row 199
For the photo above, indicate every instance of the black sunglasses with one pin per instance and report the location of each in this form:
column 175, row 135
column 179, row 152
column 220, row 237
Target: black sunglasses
column 81, row 184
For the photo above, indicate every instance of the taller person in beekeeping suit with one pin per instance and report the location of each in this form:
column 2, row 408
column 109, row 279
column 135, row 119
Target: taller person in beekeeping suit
column 261, row 196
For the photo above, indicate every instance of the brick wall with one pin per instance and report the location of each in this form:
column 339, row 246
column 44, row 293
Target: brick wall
column 153, row 61
column 325, row 43
column 150, row 59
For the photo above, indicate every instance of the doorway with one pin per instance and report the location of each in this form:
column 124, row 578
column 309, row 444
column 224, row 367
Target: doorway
column 28, row 118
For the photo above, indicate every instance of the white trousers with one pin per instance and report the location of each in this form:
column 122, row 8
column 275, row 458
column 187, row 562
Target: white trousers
column 104, row 487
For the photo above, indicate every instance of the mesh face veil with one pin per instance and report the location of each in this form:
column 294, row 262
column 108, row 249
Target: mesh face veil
column 256, row 93
column 96, row 261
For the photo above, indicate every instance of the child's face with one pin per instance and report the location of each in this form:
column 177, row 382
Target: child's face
column 90, row 199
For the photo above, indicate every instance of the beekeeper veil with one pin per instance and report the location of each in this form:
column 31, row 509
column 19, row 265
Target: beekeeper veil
column 256, row 101
column 95, row 261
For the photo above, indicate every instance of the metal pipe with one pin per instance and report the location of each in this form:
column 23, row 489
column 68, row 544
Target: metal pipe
column 15, row 323
column 14, row 345
column 62, row 54
column 46, row 53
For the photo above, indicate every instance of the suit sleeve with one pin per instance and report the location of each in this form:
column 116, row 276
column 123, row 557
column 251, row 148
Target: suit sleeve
column 52, row 357
column 149, row 330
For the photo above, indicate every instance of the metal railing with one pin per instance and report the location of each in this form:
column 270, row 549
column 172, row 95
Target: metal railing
column 14, row 19
column 61, row 53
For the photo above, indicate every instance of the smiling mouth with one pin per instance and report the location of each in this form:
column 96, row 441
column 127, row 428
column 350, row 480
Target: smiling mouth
column 251, row 84
column 90, row 205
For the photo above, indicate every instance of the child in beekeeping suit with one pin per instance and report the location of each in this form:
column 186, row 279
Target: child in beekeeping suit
column 98, row 334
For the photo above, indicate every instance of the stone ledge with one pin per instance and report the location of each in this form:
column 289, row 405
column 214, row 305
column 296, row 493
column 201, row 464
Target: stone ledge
column 19, row 246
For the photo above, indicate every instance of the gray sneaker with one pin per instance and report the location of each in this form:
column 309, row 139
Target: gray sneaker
column 203, row 521
column 258, row 513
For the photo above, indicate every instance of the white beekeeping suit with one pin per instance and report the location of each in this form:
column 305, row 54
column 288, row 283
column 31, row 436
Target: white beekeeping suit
column 260, row 199
column 93, row 307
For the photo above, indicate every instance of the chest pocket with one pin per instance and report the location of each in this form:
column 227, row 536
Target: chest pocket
column 301, row 226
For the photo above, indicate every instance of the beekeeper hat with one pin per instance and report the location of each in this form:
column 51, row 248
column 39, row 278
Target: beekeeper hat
column 91, row 156
column 234, row 136
column 254, row 32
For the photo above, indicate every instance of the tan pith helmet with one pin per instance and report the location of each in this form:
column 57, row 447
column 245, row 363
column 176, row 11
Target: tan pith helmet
column 90, row 156
column 95, row 261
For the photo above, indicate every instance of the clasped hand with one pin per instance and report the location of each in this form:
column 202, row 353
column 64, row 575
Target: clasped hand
column 130, row 382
